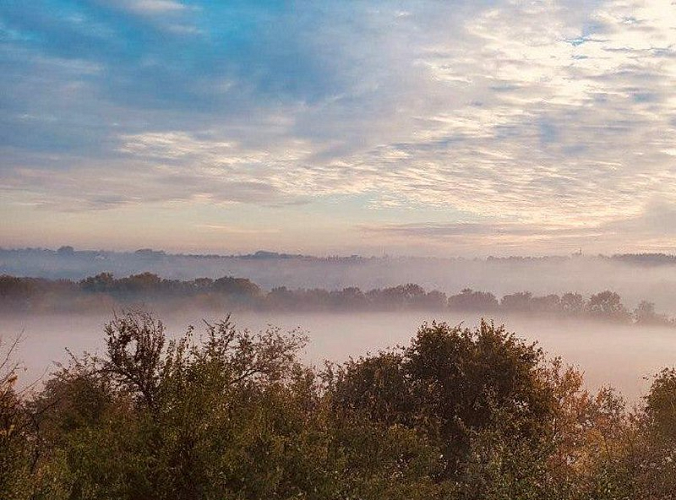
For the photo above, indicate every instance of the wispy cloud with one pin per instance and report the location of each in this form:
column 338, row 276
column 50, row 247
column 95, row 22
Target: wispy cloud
column 234, row 230
column 152, row 6
column 547, row 120
column 462, row 229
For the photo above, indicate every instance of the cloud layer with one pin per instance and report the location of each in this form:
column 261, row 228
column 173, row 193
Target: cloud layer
column 550, row 120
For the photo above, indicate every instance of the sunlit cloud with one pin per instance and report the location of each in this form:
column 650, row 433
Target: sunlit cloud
column 234, row 230
column 551, row 121
column 153, row 6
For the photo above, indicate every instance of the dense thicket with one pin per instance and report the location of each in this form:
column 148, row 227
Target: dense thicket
column 459, row 413
column 105, row 292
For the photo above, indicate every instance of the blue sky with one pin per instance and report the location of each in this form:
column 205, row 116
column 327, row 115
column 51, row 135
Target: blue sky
column 406, row 127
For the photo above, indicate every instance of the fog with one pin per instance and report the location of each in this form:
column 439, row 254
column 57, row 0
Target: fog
column 619, row 355
column 635, row 278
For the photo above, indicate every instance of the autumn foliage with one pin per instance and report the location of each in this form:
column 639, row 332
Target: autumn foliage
column 223, row 413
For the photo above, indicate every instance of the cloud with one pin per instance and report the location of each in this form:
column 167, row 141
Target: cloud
column 462, row 229
column 153, row 6
column 658, row 219
column 86, row 188
column 234, row 230
column 544, row 120
column 654, row 226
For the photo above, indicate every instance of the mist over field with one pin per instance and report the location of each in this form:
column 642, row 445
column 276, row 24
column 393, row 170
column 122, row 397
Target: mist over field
column 649, row 277
column 621, row 356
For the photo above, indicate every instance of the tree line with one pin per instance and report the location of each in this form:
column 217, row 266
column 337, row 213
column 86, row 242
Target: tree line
column 458, row 413
column 104, row 291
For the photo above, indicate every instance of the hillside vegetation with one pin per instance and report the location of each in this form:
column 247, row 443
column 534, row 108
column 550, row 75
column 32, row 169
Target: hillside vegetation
column 223, row 413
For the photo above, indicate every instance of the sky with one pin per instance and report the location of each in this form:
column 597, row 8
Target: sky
column 418, row 127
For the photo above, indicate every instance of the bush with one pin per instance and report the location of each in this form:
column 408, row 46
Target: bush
column 459, row 413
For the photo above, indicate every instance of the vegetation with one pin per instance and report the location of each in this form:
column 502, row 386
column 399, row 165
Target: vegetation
column 105, row 292
column 459, row 413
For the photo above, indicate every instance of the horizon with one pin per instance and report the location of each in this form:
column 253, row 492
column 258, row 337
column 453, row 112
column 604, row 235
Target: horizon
column 264, row 253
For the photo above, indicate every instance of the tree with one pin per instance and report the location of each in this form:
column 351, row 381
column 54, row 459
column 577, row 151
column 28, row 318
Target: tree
column 645, row 314
column 661, row 403
column 16, row 453
column 469, row 300
column 547, row 304
column 607, row 305
column 135, row 342
column 236, row 286
column 572, row 303
column 448, row 383
column 459, row 413
column 518, row 302
column 102, row 282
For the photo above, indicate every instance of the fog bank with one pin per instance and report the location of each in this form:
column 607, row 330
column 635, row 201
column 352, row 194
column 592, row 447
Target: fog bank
column 617, row 355
column 635, row 278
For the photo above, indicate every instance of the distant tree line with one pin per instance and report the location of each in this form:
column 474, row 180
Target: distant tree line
column 458, row 413
column 104, row 290
column 67, row 251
